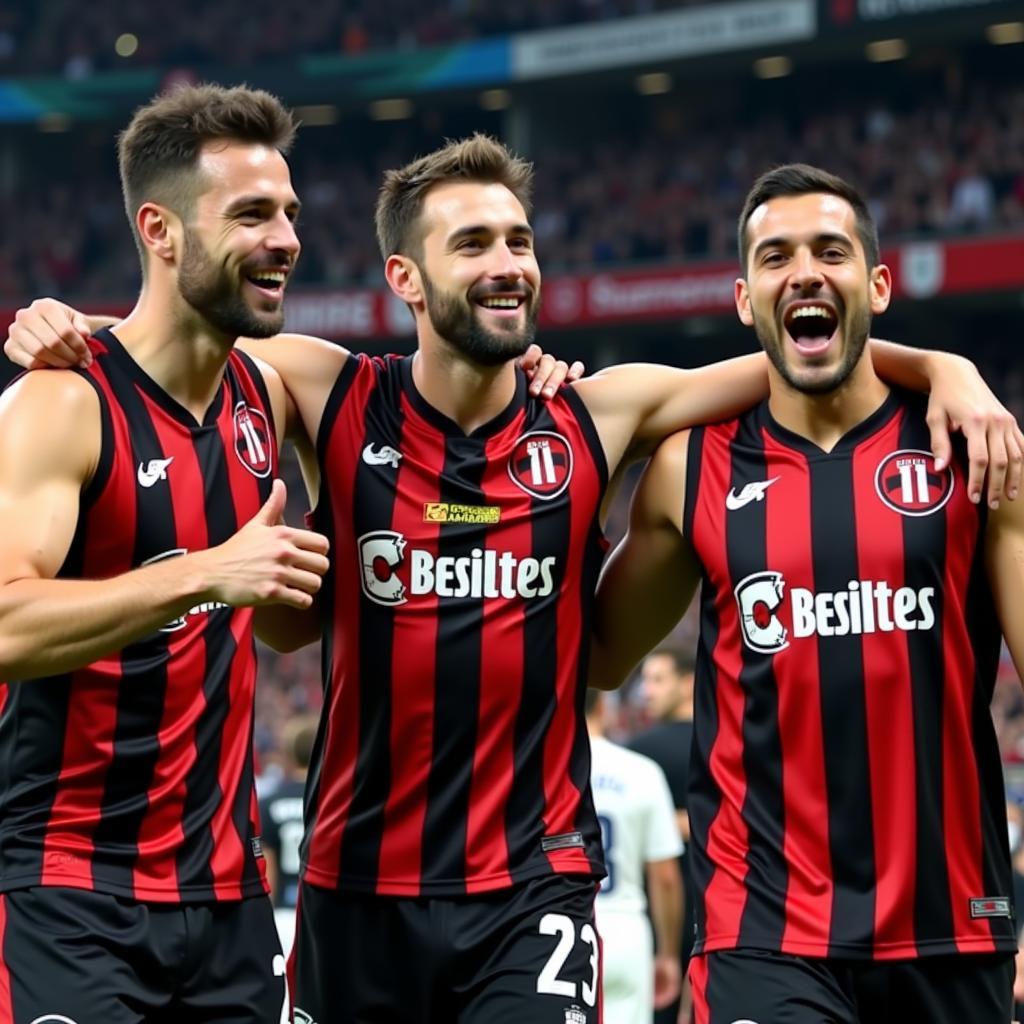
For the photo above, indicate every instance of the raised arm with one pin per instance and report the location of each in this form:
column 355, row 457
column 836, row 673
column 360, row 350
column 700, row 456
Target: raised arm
column 50, row 424
column 1004, row 558
column 650, row 578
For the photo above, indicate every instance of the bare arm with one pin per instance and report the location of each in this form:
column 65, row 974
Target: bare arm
column 1004, row 558
column 650, row 578
column 665, row 893
column 51, row 429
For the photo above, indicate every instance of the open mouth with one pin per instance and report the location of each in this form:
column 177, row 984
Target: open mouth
column 811, row 326
column 502, row 305
column 269, row 282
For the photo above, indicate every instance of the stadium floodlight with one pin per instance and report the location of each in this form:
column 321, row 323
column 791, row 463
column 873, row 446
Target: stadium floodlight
column 882, row 50
column 654, row 83
column 1006, row 32
column 773, row 67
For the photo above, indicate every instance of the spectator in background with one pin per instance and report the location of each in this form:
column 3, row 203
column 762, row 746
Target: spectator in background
column 666, row 685
column 281, row 821
column 640, row 839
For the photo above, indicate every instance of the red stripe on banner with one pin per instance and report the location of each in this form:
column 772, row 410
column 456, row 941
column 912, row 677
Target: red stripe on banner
column 562, row 798
column 961, row 796
column 160, row 833
column 728, row 840
column 804, row 791
column 889, row 709
column 6, row 1000
column 698, row 973
column 92, row 719
column 341, row 701
column 413, row 682
column 501, row 687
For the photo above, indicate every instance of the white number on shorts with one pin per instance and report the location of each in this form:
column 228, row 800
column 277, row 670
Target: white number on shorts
column 548, row 981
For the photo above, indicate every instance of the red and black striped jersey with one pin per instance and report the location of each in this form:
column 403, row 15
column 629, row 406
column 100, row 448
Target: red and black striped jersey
column 453, row 755
column 846, row 789
column 133, row 775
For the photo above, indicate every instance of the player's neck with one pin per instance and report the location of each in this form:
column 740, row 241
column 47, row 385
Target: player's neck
column 177, row 348
column 824, row 419
column 465, row 392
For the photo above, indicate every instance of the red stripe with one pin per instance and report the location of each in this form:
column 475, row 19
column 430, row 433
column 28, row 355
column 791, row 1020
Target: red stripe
column 562, row 798
column 341, row 704
column 698, row 972
column 960, row 790
column 805, row 796
column 6, row 1000
column 3, row 696
column 92, row 701
column 727, row 839
column 501, row 687
column 889, row 705
column 413, row 676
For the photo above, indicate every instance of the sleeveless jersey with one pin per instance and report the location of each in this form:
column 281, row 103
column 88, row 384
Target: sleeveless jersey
column 846, row 791
column 133, row 776
column 453, row 754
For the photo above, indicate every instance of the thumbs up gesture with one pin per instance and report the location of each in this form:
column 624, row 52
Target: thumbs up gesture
column 266, row 562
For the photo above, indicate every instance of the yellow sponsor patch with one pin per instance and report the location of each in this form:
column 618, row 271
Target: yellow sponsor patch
column 449, row 512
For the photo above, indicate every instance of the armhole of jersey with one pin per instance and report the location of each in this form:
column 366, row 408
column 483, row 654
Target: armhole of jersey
column 589, row 431
column 694, row 451
column 94, row 488
column 339, row 392
column 258, row 382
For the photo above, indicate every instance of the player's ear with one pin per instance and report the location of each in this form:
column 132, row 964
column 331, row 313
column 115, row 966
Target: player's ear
column 742, row 298
column 403, row 278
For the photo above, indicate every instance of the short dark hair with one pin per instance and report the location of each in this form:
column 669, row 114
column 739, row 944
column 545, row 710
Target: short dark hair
column 298, row 739
column 684, row 660
column 158, row 152
column 477, row 158
column 802, row 180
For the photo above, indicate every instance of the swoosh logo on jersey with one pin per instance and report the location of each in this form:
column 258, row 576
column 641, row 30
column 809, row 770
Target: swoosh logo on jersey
column 750, row 492
column 386, row 456
column 155, row 469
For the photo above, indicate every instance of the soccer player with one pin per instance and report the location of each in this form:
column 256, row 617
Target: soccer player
column 139, row 529
column 641, row 844
column 281, row 818
column 666, row 685
column 448, row 809
column 849, row 840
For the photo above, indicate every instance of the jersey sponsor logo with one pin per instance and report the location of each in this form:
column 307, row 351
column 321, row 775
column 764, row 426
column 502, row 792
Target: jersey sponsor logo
column 392, row 571
column 575, row 1015
column 252, row 440
column 384, row 456
column 750, row 492
column 154, row 470
column 541, row 464
column 865, row 606
column 450, row 512
column 199, row 609
column 907, row 482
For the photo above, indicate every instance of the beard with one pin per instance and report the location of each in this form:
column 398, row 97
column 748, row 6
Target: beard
column 217, row 296
column 456, row 320
column 856, row 330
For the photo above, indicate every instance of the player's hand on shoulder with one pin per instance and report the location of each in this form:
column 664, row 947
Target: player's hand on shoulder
column 48, row 333
column 266, row 561
column 547, row 374
column 961, row 400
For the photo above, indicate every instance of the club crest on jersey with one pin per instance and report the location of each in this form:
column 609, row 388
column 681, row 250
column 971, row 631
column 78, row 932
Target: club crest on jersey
column 907, row 482
column 252, row 440
column 575, row 1015
column 541, row 464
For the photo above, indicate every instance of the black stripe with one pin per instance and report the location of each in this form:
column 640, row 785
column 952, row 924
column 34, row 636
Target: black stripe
column 332, row 409
column 457, row 682
column 924, row 547
column 746, row 537
column 843, row 710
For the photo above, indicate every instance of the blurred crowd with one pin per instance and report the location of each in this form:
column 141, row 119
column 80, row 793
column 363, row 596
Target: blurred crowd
column 75, row 40
column 666, row 187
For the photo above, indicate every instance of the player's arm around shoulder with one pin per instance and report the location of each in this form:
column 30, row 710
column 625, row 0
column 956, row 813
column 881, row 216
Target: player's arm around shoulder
column 308, row 368
column 637, row 405
column 650, row 577
column 1004, row 557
